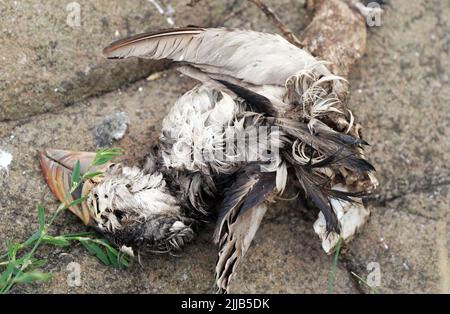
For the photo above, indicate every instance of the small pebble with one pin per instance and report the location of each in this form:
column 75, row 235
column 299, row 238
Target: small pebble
column 111, row 128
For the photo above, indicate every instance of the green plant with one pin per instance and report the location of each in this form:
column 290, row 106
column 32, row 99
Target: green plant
column 19, row 264
column 361, row 280
column 332, row 278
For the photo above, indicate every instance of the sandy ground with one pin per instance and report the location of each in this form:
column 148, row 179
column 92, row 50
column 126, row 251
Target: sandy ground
column 55, row 87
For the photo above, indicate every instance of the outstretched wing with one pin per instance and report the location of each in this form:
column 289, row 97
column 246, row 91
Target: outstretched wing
column 254, row 57
column 239, row 218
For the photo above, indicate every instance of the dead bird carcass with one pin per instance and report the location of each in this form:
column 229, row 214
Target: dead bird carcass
column 249, row 81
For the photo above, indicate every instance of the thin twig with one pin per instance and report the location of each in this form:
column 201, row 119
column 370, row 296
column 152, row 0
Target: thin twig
column 275, row 20
column 192, row 3
column 230, row 12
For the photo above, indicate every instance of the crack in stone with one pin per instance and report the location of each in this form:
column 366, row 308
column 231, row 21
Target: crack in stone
column 403, row 187
column 153, row 69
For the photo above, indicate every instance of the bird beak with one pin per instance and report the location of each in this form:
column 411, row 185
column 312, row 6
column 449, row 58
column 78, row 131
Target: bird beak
column 57, row 167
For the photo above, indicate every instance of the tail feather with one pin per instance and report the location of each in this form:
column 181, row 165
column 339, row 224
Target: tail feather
column 329, row 143
column 320, row 152
column 318, row 194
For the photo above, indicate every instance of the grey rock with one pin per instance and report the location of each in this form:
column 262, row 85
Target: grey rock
column 111, row 128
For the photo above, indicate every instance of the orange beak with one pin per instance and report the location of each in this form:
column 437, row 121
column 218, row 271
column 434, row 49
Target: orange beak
column 57, row 167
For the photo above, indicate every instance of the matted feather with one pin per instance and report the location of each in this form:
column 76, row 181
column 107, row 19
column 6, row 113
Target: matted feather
column 235, row 243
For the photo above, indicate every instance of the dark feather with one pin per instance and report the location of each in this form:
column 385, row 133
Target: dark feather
column 258, row 102
column 347, row 195
column 328, row 143
column 318, row 194
column 260, row 191
column 345, row 139
column 250, row 188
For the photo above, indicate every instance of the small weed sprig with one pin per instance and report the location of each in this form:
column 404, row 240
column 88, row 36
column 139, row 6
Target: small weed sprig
column 19, row 264
column 332, row 277
column 372, row 290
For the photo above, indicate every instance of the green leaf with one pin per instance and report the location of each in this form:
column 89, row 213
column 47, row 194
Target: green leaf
column 32, row 276
column 37, row 263
column 12, row 249
column 58, row 240
column 75, row 174
column 87, row 245
column 76, row 202
column 105, row 155
column 91, row 175
column 32, row 239
column 124, row 260
column 113, row 257
column 78, row 235
column 5, row 275
column 41, row 215
column 97, row 251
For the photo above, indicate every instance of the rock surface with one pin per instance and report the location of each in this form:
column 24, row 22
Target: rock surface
column 399, row 93
column 51, row 58
column 401, row 96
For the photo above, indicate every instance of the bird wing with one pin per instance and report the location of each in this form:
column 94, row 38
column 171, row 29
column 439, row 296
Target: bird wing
column 254, row 57
column 240, row 215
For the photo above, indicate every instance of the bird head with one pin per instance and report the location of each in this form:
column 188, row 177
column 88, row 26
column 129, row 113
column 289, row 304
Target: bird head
column 124, row 203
